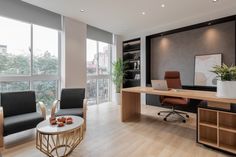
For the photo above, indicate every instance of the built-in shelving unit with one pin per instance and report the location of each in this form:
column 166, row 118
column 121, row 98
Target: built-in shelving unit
column 131, row 56
column 217, row 128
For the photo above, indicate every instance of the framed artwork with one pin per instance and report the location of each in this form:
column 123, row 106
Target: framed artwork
column 203, row 66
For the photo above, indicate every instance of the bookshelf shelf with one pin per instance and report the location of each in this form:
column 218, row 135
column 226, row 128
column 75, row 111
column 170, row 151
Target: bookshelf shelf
column 217, row 128
column 131, row 55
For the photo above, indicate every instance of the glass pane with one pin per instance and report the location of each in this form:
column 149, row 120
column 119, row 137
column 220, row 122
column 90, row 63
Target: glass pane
column 45, row 51
column 46, row 91
column 14, row 86
column 103, row 90
column 91, row 57
column 14, row 47
column 92, row 92
column 104, row 58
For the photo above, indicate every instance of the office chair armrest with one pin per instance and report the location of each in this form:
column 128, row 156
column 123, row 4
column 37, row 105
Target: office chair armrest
column 85, row 103
column 54, row 108
column 1, row 126
column 42, row 109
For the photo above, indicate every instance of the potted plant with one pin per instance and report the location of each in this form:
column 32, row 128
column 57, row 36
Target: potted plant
column 118, row 74
column 226, row 83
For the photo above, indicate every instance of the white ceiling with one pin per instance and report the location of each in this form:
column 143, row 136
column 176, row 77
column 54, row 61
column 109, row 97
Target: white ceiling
column 124, row 17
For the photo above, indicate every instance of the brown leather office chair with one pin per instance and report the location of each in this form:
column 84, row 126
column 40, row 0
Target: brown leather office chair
column 173, row 81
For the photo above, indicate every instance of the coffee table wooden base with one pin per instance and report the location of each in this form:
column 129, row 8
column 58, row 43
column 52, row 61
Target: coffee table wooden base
column 59, row 145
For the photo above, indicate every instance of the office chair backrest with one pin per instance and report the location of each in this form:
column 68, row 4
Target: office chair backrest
column 173, row 79
column 72, row 98
column 16, row 103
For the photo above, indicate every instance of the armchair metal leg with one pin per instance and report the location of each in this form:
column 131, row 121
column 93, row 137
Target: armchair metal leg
column 84, row 126
column 1, row 142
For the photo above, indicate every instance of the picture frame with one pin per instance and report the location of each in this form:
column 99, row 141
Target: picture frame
column 203, row 65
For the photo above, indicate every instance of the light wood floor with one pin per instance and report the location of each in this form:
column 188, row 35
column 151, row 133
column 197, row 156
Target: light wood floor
column 107, row 136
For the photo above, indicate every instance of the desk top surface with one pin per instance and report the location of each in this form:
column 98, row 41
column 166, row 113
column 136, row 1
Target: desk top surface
column 191, row 94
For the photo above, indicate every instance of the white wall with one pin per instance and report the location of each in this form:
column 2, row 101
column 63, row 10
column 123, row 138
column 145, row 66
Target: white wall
column 73, row 64
column 143, row 67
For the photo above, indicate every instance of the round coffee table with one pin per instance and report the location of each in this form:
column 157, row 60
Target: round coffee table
column 59, row 141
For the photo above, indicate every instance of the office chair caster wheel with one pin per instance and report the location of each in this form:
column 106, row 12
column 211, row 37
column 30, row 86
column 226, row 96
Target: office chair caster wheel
column 187, row 116
column 158, row 114
column 165, row 119
column 184, row 121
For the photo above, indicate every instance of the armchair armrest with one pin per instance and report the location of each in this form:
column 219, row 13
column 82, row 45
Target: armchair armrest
column 43, row 109
column 85, row 102
column 1, row 126
column 54, row 107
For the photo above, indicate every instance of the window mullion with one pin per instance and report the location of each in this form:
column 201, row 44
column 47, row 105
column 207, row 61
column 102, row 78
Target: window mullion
column 98, row 73
column 31, row 56
column 59, row 65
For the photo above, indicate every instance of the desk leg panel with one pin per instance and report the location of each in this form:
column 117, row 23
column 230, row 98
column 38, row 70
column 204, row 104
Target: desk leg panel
column 130, row 107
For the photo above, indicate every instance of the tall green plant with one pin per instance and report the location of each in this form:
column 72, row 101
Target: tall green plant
column 225, row 73
column 118, row 73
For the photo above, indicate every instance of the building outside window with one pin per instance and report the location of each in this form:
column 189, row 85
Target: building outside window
column 98, row 71
column 29, row 59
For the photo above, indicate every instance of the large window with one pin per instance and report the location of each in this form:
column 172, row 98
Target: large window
column 29, row 59
column 98, row 71
column 15, row 43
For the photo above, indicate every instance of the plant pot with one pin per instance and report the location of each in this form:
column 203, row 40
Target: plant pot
column 118, row 99
column 226, row 89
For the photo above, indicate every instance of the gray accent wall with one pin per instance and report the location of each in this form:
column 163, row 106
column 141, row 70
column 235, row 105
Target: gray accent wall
column 177, row 51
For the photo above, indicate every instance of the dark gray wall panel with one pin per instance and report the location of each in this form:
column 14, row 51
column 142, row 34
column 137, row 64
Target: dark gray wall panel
column 177, row 51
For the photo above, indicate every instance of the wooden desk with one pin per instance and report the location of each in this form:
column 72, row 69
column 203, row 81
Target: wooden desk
column 215, row 128
column 130, row 107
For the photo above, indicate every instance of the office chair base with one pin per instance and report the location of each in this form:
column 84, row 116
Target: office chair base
column 172, row 112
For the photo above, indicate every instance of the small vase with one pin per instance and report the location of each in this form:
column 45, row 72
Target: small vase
column 118, row 98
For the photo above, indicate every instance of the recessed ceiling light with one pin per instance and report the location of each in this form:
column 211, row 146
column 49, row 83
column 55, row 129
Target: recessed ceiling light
column 163, row 5
column 143, row 13
column 82, row 10
column 215, row 0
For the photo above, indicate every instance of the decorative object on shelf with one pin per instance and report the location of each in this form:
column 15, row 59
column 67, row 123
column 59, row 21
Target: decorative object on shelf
column 226, row 83
column 136, row 65
column 137, row 77
column 136, row 56
column 118, row 73
column 203, row 66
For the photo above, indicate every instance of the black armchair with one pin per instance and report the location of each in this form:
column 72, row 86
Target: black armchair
column 18, row 113
column 72, row 102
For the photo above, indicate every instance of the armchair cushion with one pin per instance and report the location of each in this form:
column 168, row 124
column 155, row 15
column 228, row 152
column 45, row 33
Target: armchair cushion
column 16, row 103
column 14, row 124
column 72, row 98
column 73, row 112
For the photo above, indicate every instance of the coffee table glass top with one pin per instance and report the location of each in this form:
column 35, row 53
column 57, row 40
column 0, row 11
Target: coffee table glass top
column 47, row 128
